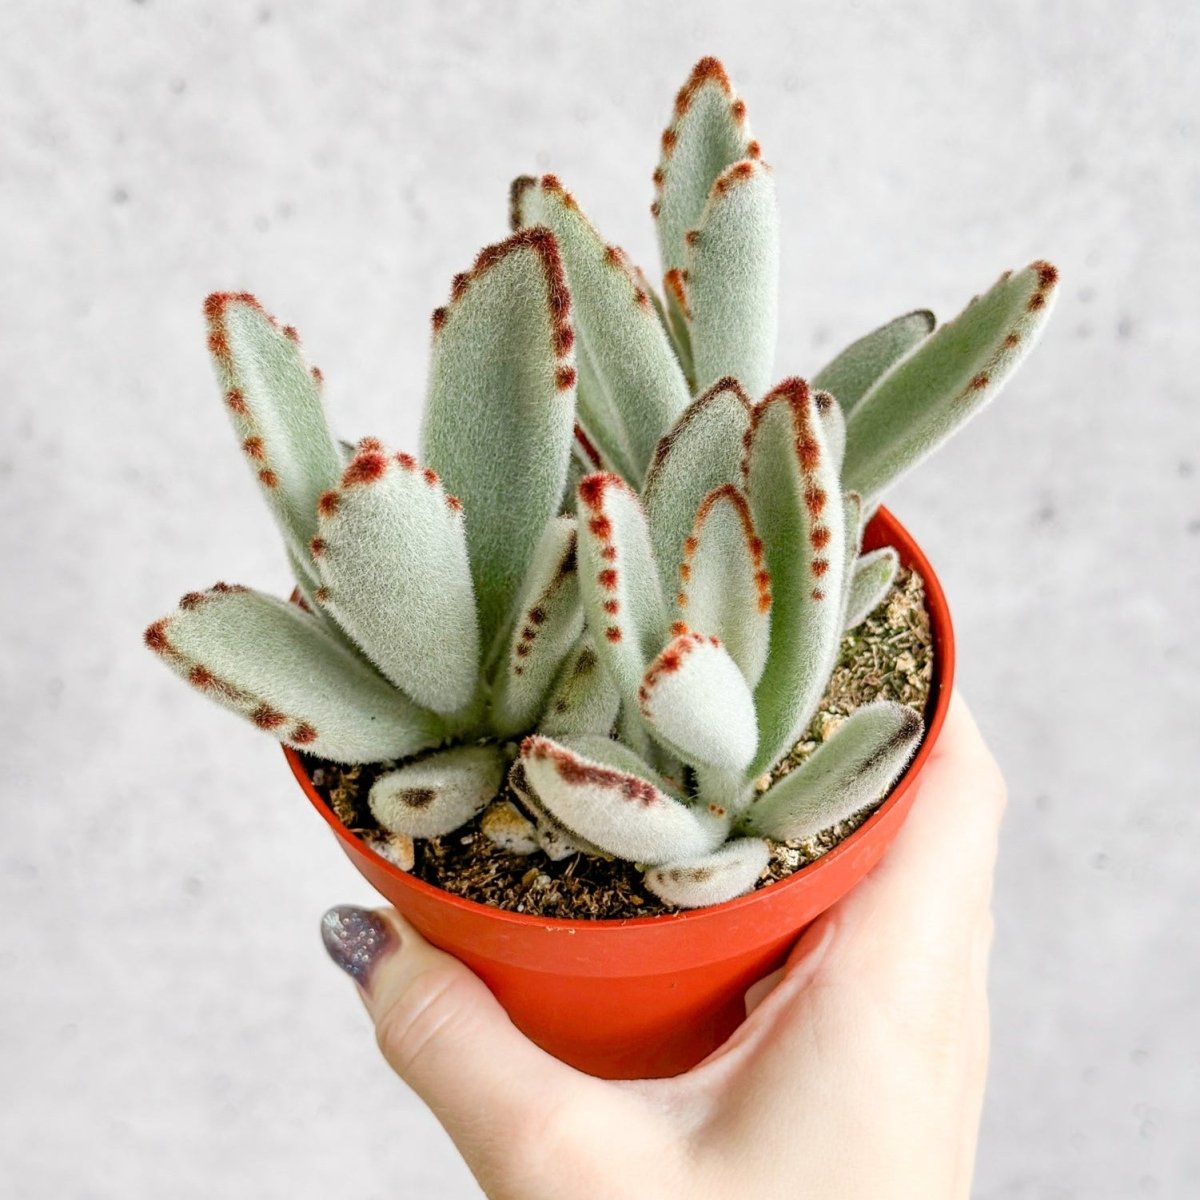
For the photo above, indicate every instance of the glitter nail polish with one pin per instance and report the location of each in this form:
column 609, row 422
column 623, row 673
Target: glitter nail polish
column 356, row 940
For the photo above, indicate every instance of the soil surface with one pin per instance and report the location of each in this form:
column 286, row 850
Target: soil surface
column 888, row 657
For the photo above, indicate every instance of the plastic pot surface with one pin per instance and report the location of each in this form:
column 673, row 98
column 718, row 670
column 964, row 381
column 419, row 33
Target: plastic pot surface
column 652, row 996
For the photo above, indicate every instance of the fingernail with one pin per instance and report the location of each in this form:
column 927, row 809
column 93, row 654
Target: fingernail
column 357, row 939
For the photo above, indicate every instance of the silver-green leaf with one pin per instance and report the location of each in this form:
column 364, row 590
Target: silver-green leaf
column 275, row 664
column 274, row 401
column 853, row 372
column 951, row 375
column 436, row 794
column 725, row 590
column 713, row 878
column 847, row 773
column 618, row 578
column 628, row 352
column 871, row 580
column 792, row 484
column 605, row 793
column 500, row 411
column 732, row 279
column 708, row 134
column 391, row 554
column 549, row 622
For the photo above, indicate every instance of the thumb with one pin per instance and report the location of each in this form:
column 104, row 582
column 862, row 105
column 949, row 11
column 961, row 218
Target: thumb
column 443, row 1032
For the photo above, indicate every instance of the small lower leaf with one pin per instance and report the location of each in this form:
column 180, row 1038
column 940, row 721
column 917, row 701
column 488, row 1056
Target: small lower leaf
column 849, row 772
column 392, row 558
column 701, row 451
column 435, row 795
column 733, row 279
column 555, row 840
column 507, row 828
column 874, row 574
column 713, row 878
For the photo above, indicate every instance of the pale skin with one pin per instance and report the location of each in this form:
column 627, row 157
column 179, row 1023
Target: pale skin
column 859, row 1072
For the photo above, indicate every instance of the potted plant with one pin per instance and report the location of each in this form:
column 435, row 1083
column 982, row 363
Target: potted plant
column 597, row 613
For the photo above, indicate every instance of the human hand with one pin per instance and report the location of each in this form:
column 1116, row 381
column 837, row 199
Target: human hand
column 859, row 1071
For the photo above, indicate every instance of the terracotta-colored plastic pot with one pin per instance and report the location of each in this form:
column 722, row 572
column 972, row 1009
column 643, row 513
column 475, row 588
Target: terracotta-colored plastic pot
column 653, row 996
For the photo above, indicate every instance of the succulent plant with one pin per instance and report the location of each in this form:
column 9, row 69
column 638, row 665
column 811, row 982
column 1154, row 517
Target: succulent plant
column 611, row 575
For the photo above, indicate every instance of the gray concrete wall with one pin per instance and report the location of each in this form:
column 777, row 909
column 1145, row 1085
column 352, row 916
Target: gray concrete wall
column 168, row 1026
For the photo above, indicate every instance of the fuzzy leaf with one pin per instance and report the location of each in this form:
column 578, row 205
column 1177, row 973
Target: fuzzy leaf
column 614, row 753
column 618, row 578
column 695, row 701
column 308, row 581
column 499, row 418
column 708, row 134
column 584, row 699
column 795, row 499
column 307, row 584
column 713, row 878
column 852, row 516
column 852, row 373
column 274, row 401
column 392, row 558
column 555, row 840
column 677, row 317
column 436, row 794
column 725, row 591
column 873, row 577
column 833, row 423
column 605, row 793
column 276, row 665
column 925, row 397
column 733, row 279
column 600, row 423
column 549, row 622
column 627, row 349
column 850, row 771
column 701, row 452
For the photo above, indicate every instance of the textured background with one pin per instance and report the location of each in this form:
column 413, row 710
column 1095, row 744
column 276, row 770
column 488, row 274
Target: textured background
column 168, row 1026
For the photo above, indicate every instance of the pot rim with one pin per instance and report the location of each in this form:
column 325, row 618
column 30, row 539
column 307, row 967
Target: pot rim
column 941, row 686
